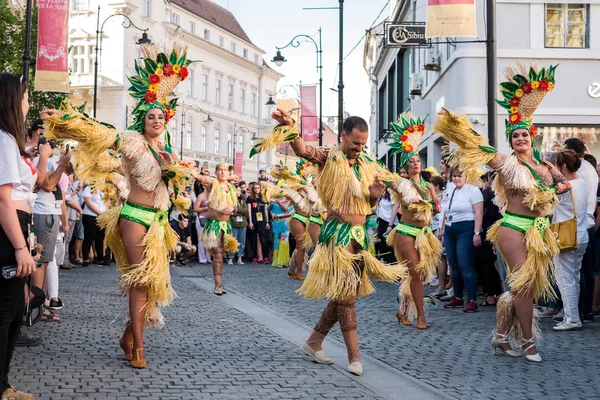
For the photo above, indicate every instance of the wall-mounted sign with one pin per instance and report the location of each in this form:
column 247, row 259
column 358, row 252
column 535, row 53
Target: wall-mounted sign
column 405, row 35
column 594, row 90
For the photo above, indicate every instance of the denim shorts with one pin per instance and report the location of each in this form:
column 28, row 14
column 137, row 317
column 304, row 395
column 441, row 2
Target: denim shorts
column 45, row 227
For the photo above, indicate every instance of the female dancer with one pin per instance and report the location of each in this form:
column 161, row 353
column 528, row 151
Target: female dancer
column 412, row 238
column 526, row 188
column 216, row 236
column 137, row 231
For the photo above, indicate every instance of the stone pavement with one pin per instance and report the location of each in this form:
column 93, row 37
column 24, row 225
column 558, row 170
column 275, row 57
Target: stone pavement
column 210, row 349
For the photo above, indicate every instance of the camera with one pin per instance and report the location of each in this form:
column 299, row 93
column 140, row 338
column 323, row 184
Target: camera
column 43, row 140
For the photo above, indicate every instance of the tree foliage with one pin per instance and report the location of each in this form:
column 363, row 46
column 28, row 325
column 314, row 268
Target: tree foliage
column 12, row 44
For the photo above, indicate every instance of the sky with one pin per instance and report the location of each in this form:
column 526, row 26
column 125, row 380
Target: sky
column 273, row 23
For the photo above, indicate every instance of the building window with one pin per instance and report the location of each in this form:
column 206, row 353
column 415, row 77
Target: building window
column 80, row 5
column 190, row 79
column 217, row 140
column 173, row 128
column 230, row 144
column 147, row 8
column 205, row 87
column 187, row 144
column 218, row 92
column 240, row 143
column 253, row 105
column 192, row 28
column 230, row 99
column 221, row 41
column 175, row 19
column 567, row 25
column 91, row 57
column 243, row 101
column 206, row 34
column 78, row 59
column 203, row 139
column 233, row 47
column 246, row 54
column 256, row 59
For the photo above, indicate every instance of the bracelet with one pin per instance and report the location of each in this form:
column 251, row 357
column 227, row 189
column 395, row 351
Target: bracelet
column 21, row 248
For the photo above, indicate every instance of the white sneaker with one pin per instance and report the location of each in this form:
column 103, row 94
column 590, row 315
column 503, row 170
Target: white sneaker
column 568, row 326
column 230, row 261
column 317, row 355
column 240, row 262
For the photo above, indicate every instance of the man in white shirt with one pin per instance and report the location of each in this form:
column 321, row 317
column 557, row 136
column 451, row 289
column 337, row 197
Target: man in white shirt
column 589, row 263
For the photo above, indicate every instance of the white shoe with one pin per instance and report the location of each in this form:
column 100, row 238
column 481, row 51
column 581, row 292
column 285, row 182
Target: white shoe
column 355, row 368
column 499, row 339
column 317, row 355
column 230, row 261
column 568, row 326
column 536, row 358
column 240, row 262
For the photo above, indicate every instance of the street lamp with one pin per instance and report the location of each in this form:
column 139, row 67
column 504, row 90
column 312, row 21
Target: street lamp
column 280, row 59
column 127, row 23
column 281, row 90
column 184, row 111
column 235, row 131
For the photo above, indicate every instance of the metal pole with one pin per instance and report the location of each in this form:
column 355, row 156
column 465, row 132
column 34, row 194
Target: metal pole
column 320, row 67
column 341, row 73
column 27, row 47
column 491, row 70
column 182, row 126
column 96, row 63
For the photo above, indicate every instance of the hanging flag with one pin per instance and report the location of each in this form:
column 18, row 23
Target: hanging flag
column 310, row 122
column 52, row 61
column 450, row 18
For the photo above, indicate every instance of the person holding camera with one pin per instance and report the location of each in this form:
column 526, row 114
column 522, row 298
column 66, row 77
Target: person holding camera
column 17, row 180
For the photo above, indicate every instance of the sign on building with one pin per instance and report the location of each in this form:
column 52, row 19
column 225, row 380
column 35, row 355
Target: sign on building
column 405, row 35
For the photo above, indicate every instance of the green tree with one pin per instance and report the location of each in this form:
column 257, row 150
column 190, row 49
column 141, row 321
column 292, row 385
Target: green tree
column 12, row 43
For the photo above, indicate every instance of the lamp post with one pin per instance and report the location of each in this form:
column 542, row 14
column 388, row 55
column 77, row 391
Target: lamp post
column 127, row 23
column 184, row 111
column 341, row 73
column 235, row 131
column 279, row 60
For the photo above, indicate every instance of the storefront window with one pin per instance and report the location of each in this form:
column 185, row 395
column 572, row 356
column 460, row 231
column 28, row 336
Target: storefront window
column 567, row 25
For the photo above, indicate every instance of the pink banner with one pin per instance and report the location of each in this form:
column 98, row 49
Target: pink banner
column 239, row 159
column 310, row 123
column 52, row 61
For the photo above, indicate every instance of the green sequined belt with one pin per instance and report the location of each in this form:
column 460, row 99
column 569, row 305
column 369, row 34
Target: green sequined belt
column 521, row 223
column 342, row 233
column 215, row 226
column 144, row 216
column 302, row 218
column 317, row 220
column 412, row 230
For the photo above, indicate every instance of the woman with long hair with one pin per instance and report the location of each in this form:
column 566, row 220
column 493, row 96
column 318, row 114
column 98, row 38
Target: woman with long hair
column 526, row 190
column 17, row 181
column 258, row 223
column 412, row 238
column 568, row 263
column 137, row 186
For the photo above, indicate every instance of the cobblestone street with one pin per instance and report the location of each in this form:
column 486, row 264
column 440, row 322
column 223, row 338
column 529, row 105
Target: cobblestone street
column 210, row 349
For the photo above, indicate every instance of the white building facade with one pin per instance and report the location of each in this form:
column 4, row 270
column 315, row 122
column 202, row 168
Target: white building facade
column 454, row 75
column 230, row 84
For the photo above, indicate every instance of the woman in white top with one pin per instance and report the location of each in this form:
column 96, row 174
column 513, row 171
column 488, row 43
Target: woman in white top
column 17, row 180
column 461, row 228
column 568, row 263
column 92, row 233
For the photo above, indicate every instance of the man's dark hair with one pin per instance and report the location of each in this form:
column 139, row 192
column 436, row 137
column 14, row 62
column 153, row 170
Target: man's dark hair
column 35, row 125
column 355, row 122
column 439, row 182
column 426, row 175
column 576, row 145
column 183, row 216
column 231, row 168
column 591, row 159
column 240, row 183
column 262, row 170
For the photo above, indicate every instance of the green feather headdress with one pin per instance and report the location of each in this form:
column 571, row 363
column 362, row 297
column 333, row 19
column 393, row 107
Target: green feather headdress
column 407, row 134
column 156, row 77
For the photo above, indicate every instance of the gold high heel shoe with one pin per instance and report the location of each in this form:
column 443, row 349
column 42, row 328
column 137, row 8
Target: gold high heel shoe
column 421, row 324
column 139, row 363
column 402, row 319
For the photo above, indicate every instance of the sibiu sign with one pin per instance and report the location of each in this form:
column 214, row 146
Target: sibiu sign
column 405, row 35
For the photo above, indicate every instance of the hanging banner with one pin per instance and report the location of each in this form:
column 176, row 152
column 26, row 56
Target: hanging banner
column 310, row 123
column 52, row 61
column 450, row 18
column 239, row 160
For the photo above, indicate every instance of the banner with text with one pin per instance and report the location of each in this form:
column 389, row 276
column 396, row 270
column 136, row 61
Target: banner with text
column 52, row 61
column 310, row 123
column 239, row 160
column 450, row 18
